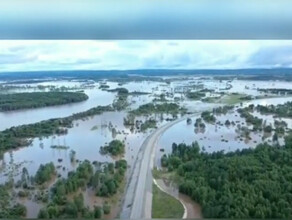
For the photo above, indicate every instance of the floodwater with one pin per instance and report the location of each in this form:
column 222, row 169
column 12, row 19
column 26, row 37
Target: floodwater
column 218, row 137
column 85, row 138
column 88, row 135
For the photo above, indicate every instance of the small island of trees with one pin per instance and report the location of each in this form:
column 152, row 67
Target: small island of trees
column 114, row 148
column 16, row 101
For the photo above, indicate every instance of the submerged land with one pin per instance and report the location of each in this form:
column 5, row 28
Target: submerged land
column 98, row 145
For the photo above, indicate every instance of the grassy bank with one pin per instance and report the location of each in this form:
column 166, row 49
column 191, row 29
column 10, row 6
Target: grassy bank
column 164, row 205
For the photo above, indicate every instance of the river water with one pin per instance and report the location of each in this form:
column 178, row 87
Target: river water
column 87, row 136
column 220, row 137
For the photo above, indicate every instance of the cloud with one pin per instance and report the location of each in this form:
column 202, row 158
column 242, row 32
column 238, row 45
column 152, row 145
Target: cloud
column 143, row 54
column 272, row 56
column 16, row 59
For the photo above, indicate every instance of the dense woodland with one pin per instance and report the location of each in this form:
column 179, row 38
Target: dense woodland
column 251, row 183
column 16, row 101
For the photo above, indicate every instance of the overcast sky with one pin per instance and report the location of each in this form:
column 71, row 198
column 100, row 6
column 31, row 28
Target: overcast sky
column 148, row 54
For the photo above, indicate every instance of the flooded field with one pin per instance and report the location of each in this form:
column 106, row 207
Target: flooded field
column 84, row 139
column 218, row 136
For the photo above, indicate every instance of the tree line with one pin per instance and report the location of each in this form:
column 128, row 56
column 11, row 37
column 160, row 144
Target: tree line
column 18, row 136
column 26, row 100
column 248, row 183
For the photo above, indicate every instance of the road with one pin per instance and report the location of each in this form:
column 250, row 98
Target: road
column 138, row 196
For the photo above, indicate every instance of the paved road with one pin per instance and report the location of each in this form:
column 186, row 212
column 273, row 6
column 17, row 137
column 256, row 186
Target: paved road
column 138, row 197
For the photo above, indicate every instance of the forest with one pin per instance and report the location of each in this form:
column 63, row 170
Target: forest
column 248, row 183
column 26, row 100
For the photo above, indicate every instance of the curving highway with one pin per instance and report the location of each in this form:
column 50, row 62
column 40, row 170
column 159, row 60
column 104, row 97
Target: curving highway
column 138, row 196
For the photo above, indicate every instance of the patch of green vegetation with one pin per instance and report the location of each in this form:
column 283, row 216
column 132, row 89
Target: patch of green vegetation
column 199, row 124
column 7, row 209
column 151, row 123
column 44, row 173
column 136, row 93
column 208, row 117
column 164, row 174
column 281, row 110
column 104, row 180
column 120, row 91
column 195, row 95
column 60, row 147
column 211, row 99
column 164, row 205
column 95, row 127
column 150, row 108
column 234, row 98
column 223, row 109
column 114, row 148
column 160, row 98
column 129, row 120
column 249, row 118
column 16, row 101
column 277, row 91
column 257, row 180
column 18, row 136
column 103, row 86
column 230, row 99
column 121, row 102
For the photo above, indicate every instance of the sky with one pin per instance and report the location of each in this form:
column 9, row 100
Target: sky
column 143, row 54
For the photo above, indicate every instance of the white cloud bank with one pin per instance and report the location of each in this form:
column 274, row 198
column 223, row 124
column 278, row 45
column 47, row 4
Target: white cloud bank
column 143, row 54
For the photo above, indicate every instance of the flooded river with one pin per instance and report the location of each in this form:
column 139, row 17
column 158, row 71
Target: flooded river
column 88, row 135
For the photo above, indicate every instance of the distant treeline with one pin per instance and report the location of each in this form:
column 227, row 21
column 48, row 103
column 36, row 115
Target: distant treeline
column 256, row 74
column 277, row 91
column 251, row 183
column 16, row 101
